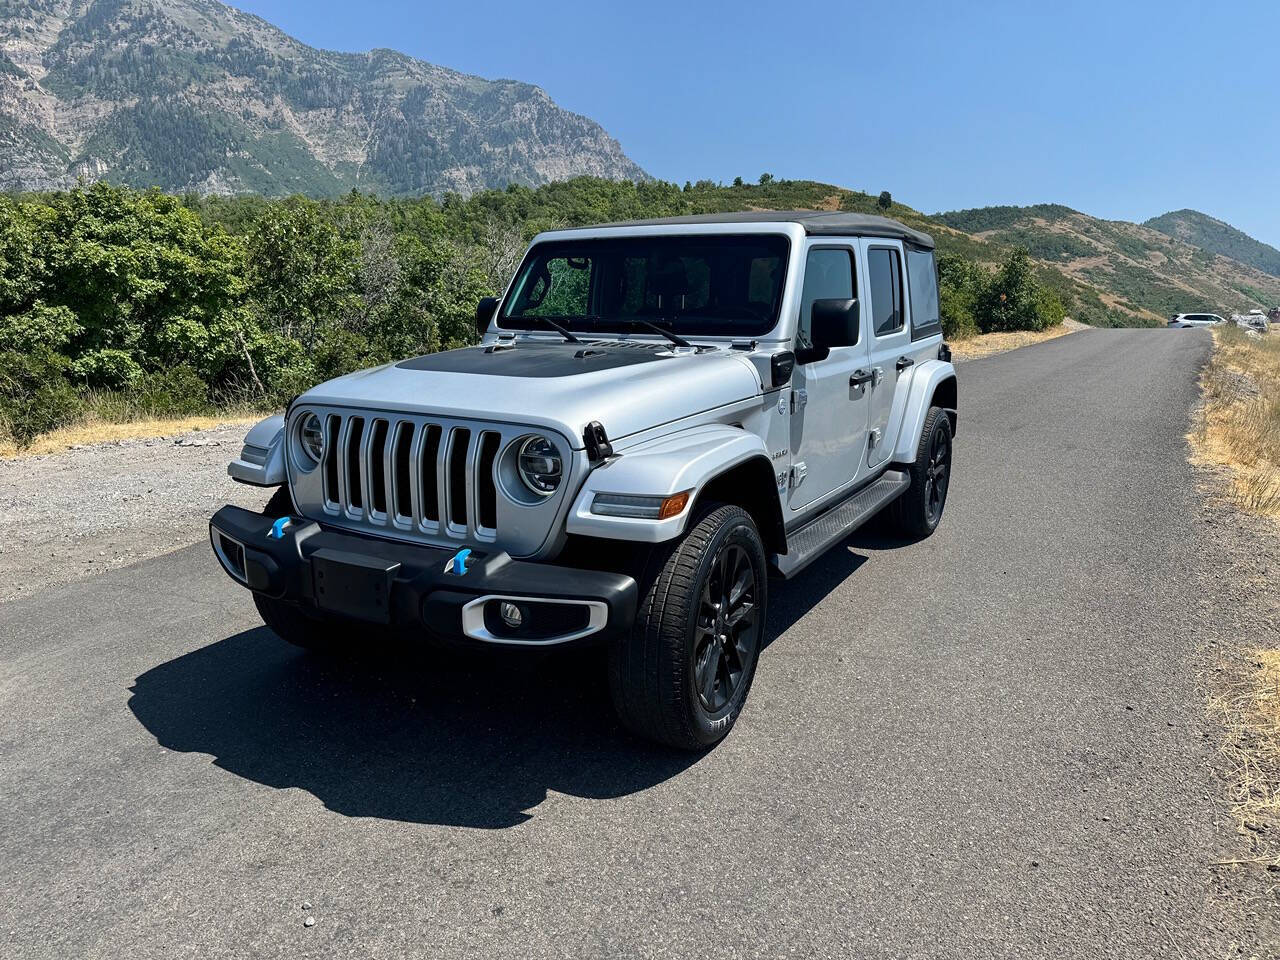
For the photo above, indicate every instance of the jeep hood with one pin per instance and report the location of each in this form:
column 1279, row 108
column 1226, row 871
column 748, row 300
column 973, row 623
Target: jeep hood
column 626, row 385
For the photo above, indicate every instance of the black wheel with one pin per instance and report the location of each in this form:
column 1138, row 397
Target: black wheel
column 682, row 675
column 289, row 621
column 919, row 510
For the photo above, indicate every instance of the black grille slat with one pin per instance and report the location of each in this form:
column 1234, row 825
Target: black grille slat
column 402, row 469
column 377, row 467
column 430, row 489
column 486, row 487
column 459, row 445
column 332, row 430
column 355, row 434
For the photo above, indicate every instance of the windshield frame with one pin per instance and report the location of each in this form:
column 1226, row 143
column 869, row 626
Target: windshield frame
column 625, row 325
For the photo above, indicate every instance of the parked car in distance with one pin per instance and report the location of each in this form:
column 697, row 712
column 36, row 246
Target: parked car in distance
column 1195, row 320
column 658, row 418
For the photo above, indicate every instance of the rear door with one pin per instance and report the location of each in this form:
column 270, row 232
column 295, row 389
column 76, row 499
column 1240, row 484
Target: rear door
column 889, row 344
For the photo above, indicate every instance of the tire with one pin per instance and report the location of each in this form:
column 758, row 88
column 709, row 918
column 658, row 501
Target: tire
column 918, row 511
column 280, row 503
column 290, row 623
column 683, row 673
column 287, row 620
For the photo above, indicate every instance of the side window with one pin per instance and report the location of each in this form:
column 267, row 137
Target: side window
column 922, row 284
column 828, row 275
column 884, row 269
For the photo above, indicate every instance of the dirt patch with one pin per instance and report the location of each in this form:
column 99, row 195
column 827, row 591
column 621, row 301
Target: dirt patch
column 69, row 515
column 989, row 344
column 95, row 432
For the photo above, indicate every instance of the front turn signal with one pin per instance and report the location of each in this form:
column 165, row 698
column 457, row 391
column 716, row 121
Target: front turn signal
column 673, row 505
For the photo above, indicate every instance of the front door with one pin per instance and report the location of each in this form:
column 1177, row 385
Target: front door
column 889, row 343
column 828, row 412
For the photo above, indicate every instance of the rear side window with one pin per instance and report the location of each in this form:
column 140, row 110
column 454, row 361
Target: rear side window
column 922, row 284
column 828, row 275
column 885, row 272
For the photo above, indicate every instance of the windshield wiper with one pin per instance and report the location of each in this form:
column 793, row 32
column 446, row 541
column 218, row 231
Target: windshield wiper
column 675, row 338
column 563, row 331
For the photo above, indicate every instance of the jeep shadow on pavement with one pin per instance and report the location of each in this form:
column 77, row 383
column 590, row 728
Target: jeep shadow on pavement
column 660, row 416
column 473, row 738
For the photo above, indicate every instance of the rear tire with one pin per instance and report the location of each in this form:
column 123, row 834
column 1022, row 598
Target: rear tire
column 683, row 673
column 918, row 511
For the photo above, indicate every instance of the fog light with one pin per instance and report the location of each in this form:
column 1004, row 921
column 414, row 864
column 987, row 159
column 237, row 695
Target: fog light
column 510, row 614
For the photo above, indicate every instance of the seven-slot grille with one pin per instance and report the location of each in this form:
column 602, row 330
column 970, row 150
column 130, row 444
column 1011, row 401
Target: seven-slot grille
column 414, row 475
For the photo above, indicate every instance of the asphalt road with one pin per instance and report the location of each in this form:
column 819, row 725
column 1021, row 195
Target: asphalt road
column 989, row 743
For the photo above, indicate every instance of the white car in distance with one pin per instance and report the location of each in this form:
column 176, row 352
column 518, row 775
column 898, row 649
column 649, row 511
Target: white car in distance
column 1196, row 320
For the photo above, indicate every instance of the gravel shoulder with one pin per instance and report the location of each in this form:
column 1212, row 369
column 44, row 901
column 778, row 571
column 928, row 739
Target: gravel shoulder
column 67, row 516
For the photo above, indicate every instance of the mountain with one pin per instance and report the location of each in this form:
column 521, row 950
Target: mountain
column 1140, row 271
column 194, row 95
column 1222, row 238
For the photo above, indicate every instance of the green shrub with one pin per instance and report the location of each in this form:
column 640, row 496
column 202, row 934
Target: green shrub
column 35, row 396
column 106, row 369
column 961, row 283
column 39, row 326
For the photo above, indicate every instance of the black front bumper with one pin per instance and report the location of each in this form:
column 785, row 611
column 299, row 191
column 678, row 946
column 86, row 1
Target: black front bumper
column 406, row 585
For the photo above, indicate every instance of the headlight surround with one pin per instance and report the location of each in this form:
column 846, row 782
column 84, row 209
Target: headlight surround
column 539, row 465
column 310, row 441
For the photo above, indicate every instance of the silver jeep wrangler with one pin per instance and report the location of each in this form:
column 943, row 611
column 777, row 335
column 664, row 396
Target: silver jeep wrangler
column 659, row 416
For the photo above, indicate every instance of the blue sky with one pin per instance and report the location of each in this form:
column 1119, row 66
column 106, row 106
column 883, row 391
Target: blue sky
column 1124, row 109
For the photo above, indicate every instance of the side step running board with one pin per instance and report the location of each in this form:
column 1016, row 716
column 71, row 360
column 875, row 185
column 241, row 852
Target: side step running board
column 830, row 527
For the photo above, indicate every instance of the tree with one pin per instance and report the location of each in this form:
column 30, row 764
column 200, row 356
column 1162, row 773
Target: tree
column 1015, row 300
column 766, row 178
column 885, row 200
column 737, row 181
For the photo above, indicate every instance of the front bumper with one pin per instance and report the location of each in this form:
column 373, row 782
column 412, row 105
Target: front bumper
column 408, row 586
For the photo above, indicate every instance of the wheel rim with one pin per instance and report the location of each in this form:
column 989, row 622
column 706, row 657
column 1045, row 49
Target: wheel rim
column 937, row 473
column 728, row 628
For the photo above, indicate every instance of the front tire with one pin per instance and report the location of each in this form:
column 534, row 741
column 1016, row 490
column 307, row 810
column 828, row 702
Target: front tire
column 682, row 675
column 287, row 620
column 919, row 510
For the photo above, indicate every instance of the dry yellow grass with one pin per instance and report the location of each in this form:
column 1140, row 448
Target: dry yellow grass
column 1248, row 706
column 1239, row 425
column 97, row 431
column 989, row 344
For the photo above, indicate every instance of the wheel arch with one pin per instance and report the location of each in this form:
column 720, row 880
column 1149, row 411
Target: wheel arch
column 713, row 463
column 933, row 384
column 751, row 485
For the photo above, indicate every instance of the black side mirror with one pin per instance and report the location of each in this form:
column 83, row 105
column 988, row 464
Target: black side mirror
column 834, row 323
column 484, row 313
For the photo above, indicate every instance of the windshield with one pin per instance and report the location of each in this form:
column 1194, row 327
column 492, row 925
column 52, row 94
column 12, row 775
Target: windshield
column 692, row 285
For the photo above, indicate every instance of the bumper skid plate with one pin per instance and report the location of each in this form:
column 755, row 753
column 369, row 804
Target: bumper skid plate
column 407, row 585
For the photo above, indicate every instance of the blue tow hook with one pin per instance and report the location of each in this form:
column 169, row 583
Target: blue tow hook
column 457, row 564
column 277, row 529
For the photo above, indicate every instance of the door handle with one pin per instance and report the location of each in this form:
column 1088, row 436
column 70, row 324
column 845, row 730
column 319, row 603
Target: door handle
column 860, row 378
column 904, row 362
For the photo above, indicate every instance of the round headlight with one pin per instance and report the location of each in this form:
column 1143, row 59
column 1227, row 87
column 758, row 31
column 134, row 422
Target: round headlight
column 539, row 465
column 311, row 438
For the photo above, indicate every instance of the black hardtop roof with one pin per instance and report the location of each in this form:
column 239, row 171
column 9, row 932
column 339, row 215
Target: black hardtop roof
column 816, row 223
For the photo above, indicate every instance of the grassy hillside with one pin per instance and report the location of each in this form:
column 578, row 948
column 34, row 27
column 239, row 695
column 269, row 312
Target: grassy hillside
column 1218, row 237
column 1139, row 272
